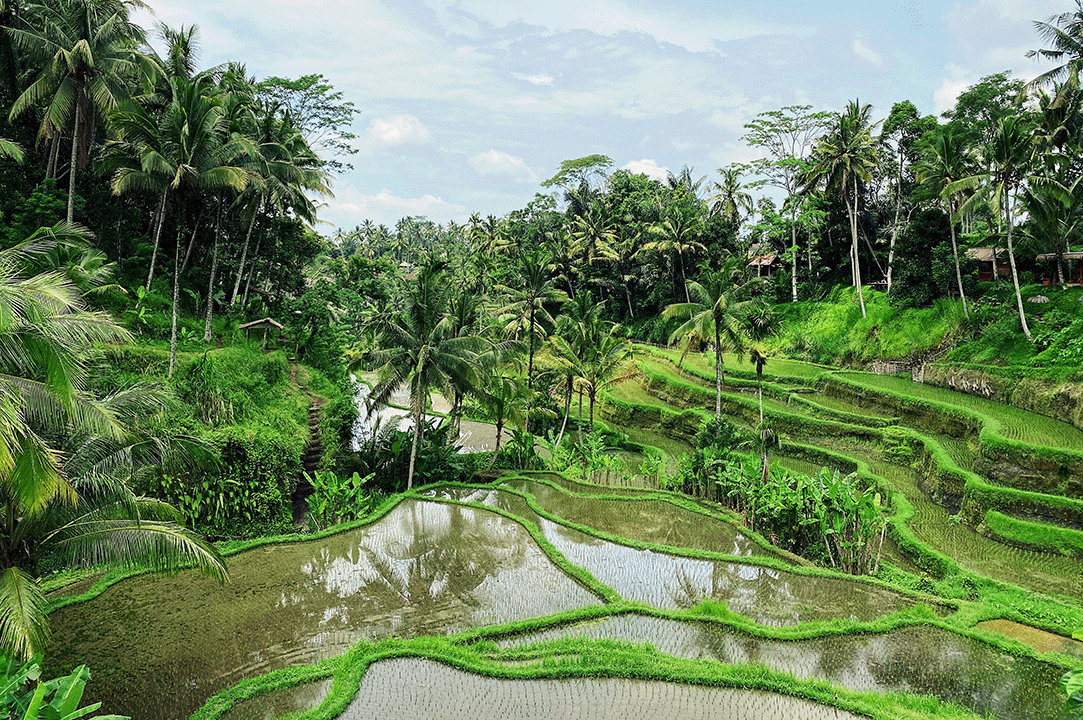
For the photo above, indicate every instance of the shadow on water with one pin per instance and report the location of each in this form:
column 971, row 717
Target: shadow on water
column 925, row 660
column 160, row 646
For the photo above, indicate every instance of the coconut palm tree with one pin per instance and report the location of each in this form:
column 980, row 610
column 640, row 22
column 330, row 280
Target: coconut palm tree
column 1010, row 165
column 730, row 200
column 677, row 236
column 419, row 350
column 188, row 151
column 1065, row 33
column 718, row 311
column 73, row 506
column 945, row 161
column 843, row 159
column 85, row 51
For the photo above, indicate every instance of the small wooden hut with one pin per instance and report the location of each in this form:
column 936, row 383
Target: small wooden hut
column 264, row 324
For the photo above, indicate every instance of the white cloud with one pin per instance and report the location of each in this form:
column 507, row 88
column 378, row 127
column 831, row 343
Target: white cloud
column 648, row 167
column 396, row 130
column 866, row 53
column 351, row 207
column 948, row 92
column 538, row 79
column 494, row 162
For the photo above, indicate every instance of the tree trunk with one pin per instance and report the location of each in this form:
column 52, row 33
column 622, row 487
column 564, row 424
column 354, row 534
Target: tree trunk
column 857, row 263
column 958, row 270
column 244, row 255
column 176, row 298
column 1015, row 273
column 191, row 241
column 214, row 269
column 628, row 299
column 157, row 237
column 793, row 249
column 419, row 417
column 74, row 157
column 567, row 411
column 717, row 373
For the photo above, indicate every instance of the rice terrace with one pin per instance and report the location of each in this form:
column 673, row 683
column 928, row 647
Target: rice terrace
column 799, row 439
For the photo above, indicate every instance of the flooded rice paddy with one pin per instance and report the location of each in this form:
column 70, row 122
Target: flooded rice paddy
column 389, row 690
column 925, row 660
column 424, row 569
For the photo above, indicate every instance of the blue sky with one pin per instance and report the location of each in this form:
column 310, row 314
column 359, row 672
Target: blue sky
column 466, row 105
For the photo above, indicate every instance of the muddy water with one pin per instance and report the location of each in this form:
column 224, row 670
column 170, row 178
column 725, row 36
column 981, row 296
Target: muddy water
column 160, row 646
column 653, row 521
column 925, row 660
column 765, row 595
column 410, row 688
column 280, row 702
column 1040, row 640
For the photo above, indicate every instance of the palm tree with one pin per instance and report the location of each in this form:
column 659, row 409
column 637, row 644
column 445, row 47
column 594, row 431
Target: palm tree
column 677, row 235
column 527, row 307
column 577, row 330
column 717, row 311
column 85, row 50
column 945, row 161
column 89, row 516
column 598, row 363
column 1065, row 33
column 186, row 152
column 593, row 235
column 843, row 159
column 730, row 199
column 1009, row 160
column 419, row 350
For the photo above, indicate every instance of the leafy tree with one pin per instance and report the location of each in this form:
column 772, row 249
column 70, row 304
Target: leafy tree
column 677, row 235
column 318, row 110
column 787, row 134
column 944, row 162
column 418, row 350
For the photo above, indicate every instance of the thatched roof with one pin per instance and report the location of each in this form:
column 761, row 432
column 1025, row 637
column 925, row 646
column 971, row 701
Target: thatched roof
column 264, row 324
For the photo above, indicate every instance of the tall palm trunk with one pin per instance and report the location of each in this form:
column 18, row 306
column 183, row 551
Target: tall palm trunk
column 958, row 270
column 419, row 418
column 567, row 411
column 214, row 270
column 74, row 153
column 793, row 249
column 852, row 208
column 157, row 237
column 717, row 373
column 1015, row 272
column 176, row 298
column 244, row 256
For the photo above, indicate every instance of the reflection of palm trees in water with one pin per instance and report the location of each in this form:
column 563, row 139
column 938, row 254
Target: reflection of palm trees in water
column 762, row 594
column 419, row 580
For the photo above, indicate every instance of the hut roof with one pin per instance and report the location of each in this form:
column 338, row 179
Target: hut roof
column 264, row 324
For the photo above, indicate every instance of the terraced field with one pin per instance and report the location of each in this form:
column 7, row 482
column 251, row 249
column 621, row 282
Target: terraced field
column 1015, row 424
column 539, row 596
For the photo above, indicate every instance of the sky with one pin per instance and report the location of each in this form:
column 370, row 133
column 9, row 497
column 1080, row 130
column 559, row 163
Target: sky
column 468, row 105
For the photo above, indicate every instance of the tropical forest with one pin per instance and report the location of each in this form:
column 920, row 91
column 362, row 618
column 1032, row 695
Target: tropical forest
column 798, row 437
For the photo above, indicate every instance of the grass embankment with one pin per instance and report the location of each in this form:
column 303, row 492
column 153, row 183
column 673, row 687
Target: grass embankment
column 249, row 411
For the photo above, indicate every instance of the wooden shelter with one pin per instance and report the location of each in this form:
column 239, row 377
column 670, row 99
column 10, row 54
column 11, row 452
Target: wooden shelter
column 1072, row 269
column 987, row 258
column 766, row 265
column 264, row 324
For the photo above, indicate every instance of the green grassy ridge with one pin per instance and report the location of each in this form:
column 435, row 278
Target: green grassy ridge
column 666, row 369
column 992, row 429
column 1039, row 536
column 579, row 658
column 777, row 370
